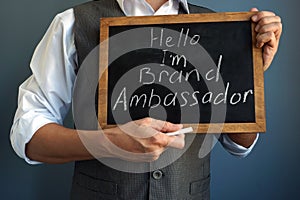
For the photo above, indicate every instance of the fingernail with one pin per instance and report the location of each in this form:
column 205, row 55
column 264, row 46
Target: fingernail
column 254, row 18
column 257, row 28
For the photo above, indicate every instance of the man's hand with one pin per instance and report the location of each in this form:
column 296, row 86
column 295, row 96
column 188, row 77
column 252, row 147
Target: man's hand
column 143, row 140
column 139, row 141
column 268, row 30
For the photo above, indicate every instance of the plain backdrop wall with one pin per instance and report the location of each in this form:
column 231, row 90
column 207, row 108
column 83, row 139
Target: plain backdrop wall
column 271, row 171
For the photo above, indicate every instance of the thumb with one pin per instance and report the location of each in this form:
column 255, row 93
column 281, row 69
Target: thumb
column 253, row 10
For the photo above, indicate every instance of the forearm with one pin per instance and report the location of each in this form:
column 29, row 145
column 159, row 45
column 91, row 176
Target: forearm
column 142, row 141
column 53, row 143
column 243, row 139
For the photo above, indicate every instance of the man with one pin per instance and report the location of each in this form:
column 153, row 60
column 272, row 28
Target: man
column 44, row 99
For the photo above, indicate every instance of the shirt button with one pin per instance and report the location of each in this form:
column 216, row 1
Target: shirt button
column 157, row 174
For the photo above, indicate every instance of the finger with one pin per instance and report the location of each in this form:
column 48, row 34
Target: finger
column 270, row 45
column 160, row 140
column 145, row 121
column 266, row 38
column 268, row 56
column 177, row 141
column 139, row 128
column 258, row 16
column 114, row 150
column 164, row 126
column 253, row 10
column 155, row 155
column 269, row 34
column 153, row 123
column 267, row 22
column 274, row 27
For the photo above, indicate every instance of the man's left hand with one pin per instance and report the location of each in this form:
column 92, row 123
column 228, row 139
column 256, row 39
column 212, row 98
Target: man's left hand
column 269, row 29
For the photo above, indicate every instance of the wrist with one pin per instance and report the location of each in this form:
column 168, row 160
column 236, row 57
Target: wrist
column 243, row 139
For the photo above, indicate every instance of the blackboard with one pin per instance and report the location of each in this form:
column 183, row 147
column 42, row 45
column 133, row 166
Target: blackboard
column 201, row 70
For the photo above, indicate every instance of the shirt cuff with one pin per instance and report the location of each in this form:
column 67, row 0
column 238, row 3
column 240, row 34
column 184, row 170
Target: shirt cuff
column 234, row 148
column 19, row 139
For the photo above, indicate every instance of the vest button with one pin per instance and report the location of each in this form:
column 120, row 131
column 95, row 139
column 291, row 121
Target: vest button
column 157, row 174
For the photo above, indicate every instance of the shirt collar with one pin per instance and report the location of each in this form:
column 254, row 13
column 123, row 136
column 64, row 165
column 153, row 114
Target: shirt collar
column 121, row 4
column 185, row 5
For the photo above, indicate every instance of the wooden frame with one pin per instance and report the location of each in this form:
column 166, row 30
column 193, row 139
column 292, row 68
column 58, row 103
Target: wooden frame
column 260, row 121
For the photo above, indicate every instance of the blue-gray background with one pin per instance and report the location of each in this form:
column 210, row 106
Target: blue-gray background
column 271, row 171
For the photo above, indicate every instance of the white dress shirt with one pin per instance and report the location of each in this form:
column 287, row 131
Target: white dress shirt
column 45, row 97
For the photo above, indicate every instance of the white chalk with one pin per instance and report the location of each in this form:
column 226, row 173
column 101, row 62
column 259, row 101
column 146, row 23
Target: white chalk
column 181, row 131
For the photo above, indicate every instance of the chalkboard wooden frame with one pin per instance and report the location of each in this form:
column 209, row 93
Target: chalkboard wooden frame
column 260, row 121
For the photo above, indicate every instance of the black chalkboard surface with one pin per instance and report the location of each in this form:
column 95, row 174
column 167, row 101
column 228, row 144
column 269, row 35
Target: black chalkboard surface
column 201, row 70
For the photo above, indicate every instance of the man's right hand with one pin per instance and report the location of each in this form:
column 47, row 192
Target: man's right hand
column 142, row 140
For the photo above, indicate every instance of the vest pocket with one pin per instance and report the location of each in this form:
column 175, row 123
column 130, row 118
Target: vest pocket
column 96, row 185
column 201, row 187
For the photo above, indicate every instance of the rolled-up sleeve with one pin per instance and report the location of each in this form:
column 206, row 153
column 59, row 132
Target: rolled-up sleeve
column 234, row 148
column 45, row 97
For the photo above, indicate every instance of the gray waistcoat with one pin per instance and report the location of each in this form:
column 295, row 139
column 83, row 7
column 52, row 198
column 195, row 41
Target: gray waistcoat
column 186, row 178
